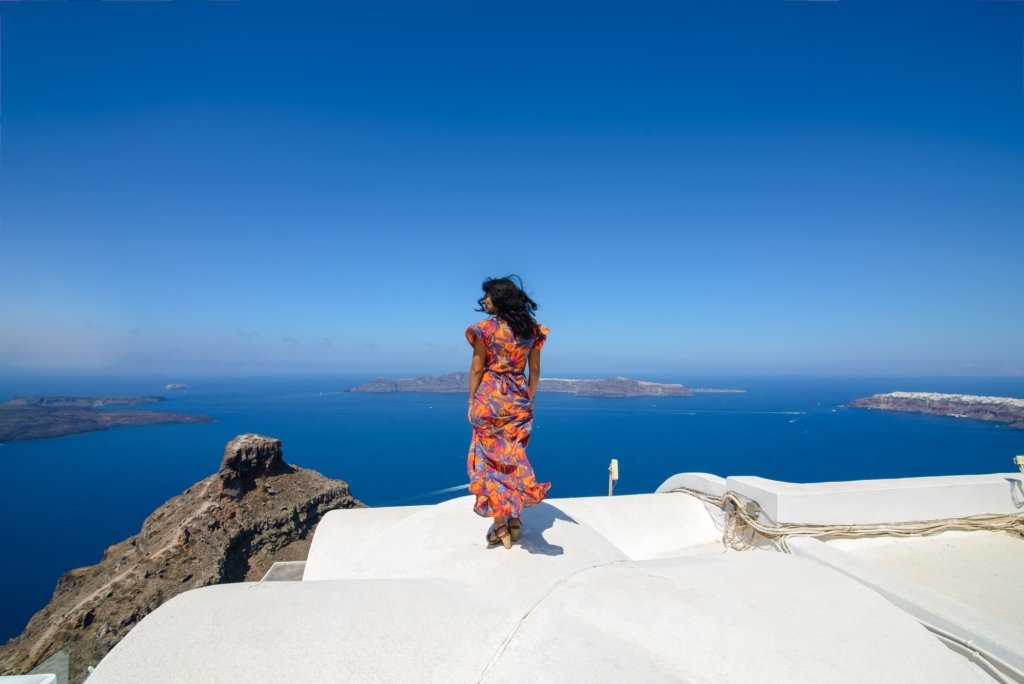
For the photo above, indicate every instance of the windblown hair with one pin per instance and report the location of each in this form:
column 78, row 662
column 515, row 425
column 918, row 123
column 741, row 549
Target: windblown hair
column 513, row 304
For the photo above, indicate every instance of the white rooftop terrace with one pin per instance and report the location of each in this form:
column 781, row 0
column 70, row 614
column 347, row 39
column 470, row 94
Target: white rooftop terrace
column 611, row 589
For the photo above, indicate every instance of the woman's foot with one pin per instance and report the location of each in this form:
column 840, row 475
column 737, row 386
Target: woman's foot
column 514, row 526
column 499, row 534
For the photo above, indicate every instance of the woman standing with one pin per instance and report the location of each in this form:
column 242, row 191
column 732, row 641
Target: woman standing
column 501, row 407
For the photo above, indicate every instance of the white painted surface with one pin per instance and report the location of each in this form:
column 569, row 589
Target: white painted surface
column 736, row 617
column 712, row 485
column 983, row 570
column 395, row 630
column 866, row 502
column 646, row 526
column 341, row 533
column 964, row 621
column 447, row 541
column 754, row 617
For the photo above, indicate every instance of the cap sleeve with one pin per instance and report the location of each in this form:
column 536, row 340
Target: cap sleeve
column 540, row 336
column 474, row 333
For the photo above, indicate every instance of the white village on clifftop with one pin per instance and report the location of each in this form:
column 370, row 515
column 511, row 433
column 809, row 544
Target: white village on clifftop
column 966, row 398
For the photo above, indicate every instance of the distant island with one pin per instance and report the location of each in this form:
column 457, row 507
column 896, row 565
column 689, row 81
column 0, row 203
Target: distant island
column 80, row 402
column 42, row 417
column 716, row 390
column 612, row 387
column 995, row 409
column 608, row 387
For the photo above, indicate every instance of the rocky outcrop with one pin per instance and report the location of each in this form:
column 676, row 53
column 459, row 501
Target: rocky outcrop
column 459, row 382
column 230, row 527
column 996, row 409
column 249, row 459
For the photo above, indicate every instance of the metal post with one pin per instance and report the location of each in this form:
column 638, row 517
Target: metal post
column 613, row 474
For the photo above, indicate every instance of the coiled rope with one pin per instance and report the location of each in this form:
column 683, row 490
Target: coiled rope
column 745, row 521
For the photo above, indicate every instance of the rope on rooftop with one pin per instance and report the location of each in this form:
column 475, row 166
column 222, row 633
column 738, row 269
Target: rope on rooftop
column 745, row 521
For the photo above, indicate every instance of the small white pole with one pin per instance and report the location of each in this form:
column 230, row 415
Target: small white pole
column 613, row 474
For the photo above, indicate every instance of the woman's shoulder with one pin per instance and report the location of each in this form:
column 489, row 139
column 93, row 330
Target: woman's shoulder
column 482, row 329
column 540, row 335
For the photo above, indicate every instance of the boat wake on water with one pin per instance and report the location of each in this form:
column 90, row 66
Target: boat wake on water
column 425, row 495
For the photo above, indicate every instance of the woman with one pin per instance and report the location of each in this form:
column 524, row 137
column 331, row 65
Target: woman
column 501, row 407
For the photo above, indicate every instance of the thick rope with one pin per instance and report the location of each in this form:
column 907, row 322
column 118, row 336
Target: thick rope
column 745, row 520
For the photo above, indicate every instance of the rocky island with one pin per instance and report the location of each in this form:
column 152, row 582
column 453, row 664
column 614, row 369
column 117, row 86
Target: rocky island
column 81, row 402
column 995, row 409
column 716, row 390
column 613, row 387
column 230, row 527
column 451, row 382
column 41, row 417
column 459, row 382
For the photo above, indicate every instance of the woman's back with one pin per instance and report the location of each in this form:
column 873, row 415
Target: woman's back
column 506, row 353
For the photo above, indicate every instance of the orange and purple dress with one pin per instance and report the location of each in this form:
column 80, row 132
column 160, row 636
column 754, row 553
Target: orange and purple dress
column 500, row 475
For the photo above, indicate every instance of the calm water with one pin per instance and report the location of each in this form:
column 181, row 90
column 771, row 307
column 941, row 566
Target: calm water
column 64, row 500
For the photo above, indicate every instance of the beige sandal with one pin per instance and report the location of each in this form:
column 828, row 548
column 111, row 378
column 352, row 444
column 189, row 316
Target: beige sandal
column 495, row 535
column 514, row 524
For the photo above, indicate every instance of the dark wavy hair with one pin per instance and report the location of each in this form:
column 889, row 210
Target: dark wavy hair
column 513, row 304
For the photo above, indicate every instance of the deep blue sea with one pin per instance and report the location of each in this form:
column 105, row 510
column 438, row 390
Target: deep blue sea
column 64, row 500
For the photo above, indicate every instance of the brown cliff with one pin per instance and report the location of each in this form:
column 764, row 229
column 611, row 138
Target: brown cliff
column 230, row 527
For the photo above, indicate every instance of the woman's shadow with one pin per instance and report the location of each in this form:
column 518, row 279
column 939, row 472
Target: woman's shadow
column 536, row 520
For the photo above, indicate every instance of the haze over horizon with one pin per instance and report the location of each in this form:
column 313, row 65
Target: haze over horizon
column 686, row 188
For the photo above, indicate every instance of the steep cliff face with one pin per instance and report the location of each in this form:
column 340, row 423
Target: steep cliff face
column 994, row 409
column 230, row 527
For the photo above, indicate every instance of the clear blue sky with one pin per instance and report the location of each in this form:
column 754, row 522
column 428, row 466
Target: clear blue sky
column 687, row 188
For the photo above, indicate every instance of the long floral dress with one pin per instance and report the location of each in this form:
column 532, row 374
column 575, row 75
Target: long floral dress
column 500, row 475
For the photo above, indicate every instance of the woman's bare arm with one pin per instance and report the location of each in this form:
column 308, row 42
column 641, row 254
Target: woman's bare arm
column 534, row 360
column 476, row 367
